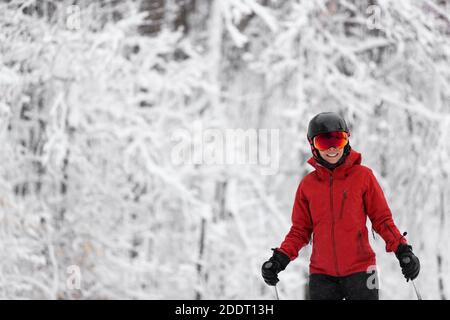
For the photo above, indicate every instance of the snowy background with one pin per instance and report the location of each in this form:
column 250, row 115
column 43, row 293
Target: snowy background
column 92, row 203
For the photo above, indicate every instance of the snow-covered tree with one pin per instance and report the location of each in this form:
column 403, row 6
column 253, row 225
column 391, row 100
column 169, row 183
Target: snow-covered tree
column 94, row 93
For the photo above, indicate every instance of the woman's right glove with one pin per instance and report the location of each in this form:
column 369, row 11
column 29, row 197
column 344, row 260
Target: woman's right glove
column 273, row 266
column 408, row 261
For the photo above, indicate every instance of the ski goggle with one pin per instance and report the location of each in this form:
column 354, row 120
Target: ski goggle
column 337, row 139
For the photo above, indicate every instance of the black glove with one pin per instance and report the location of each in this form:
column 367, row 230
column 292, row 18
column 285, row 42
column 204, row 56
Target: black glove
column 408, row 261
column 273, row 266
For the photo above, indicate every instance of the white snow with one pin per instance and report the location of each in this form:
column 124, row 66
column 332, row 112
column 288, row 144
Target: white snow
column 88, row 117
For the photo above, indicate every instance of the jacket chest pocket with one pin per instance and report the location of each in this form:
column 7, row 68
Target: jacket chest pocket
column 351, row 208
column 341, row 211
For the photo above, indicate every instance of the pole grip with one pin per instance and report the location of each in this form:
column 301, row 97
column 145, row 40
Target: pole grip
column 268, row 265
column 406, row 260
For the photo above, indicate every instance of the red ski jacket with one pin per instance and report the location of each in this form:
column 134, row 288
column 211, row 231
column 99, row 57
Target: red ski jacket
column 332, row 206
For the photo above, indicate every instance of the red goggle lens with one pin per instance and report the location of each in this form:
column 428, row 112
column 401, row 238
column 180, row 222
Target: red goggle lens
column 337, row 139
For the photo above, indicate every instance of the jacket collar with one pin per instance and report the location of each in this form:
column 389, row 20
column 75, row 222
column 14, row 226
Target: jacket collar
column 340, row 172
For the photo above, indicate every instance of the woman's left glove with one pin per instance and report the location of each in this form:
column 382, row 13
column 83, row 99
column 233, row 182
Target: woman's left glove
column 409, row 263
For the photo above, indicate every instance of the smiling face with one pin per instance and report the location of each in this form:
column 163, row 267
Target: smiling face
column 332, row 155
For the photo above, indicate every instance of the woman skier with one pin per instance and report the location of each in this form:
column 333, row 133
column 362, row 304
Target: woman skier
column 331, row 205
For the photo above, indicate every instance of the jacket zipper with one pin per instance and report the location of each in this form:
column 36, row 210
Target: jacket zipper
column 342, row 205
column 332, row 227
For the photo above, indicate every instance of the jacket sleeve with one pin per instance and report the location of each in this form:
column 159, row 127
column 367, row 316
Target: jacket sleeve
column 380, row 215
column 300, row 233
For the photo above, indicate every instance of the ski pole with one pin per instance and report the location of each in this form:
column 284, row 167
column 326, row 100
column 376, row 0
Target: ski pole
column 268, row 265
column 276, row 292
column 419, row 297
column 407, row 260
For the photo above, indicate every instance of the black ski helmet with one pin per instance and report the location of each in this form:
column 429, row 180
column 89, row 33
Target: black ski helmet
column 326, row 122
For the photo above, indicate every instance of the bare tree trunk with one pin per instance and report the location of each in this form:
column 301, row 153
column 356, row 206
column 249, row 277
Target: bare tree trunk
column 220, row 199
column 155, row 18
column 439, row 256
column 30, row 130
column 440, row 280
column 201, row 251
column 184, row 9
column 380, row 112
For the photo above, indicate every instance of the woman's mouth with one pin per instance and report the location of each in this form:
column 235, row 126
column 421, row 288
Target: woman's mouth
column 332, row 155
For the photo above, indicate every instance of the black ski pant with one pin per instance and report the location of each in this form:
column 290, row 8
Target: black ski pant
column 357, row 286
